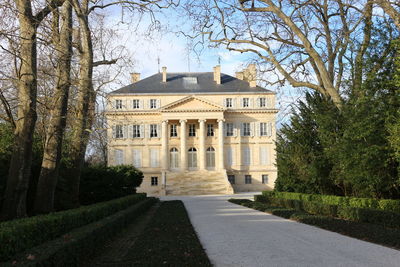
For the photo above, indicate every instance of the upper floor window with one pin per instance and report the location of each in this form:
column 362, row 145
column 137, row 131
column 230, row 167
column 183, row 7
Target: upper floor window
column 210, row 130
column 135, row 103
column 153, row 103
column 119, row 131
column 153, row 130
column 246, row 129
column 228, row 102
column 245, row 102
column 174, row 132
column 136, row 132
column 262, row 102
column 192, row 130
column 118, row 104
column 229, row 129
column 263, row 129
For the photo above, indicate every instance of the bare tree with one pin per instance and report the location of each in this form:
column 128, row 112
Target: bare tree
column 308, row 44
column 62, row 40
column 390, row 8
column 14, row 204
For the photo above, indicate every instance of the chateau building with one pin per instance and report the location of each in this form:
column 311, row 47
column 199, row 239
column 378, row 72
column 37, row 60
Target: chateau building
column 195, row 133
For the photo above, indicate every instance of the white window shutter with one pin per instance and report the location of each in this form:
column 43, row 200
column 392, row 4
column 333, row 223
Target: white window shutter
column 114, row 129
column 233, row 102
column 125, row 104
column 149, row 104
column 251, row 102
column 224, row 102
column 258, row 129
column 130, row 132
column 142, row 130
column 258, row 102
column 158, row 130
column 233, row 159
column 147, row 130
column 141, row 106
column 158, row 103
column 252, row 129
column 241, row 102
column 124, row 131
column 269, row 128
column 225, row 129
column 235, row 129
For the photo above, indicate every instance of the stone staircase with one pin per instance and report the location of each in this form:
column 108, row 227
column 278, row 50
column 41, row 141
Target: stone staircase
column 197, row 183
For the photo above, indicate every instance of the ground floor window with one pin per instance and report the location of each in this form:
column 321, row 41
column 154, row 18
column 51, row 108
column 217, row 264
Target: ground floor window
column 174, row 158
column 231, row 178
column 264, row 178
column 210, row 157
column 154, row 180
column 247, row 179
column 192, row 159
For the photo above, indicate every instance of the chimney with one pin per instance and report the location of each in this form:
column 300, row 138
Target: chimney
column 240, row 75
column 164, row 74
column 135, row 77
column 217, row 74
column 252, row 72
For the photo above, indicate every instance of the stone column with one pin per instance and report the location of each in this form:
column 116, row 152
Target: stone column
column 183, row 136
column 221, row 163
column 202, row 145
column 164, row 145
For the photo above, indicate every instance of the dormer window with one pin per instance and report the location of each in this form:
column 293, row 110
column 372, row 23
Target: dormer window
column 153, row 103
column 118, row 104
column 190, row 80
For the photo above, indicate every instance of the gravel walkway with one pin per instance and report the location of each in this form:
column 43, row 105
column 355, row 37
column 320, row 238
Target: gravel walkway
column 238, row 236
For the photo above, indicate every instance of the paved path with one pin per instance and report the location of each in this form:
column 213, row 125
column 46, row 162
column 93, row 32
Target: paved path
column 238, row 236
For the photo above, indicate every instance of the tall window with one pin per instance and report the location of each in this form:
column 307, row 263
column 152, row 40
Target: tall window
column 230, row 156
column 262, row 102
column 119, row 157
column 118, row 104
column 135, row 104
column 153, row 103
column 192, row 130
column 137, row 158
column 153, row 130
column 174, row 132
column 245, row 102
column 210, row 130
column 263, row 129
column 246, row 129
column 229, row 129
column 210, row 157
column 246, row 156
column 247, row 179
column 154, row 161
column 264, row 178
column 192, row 159
column 136, row 131
column 228, row 102
column 174, row 158
column 154, row 181
column 231, row 178
column 119, row 131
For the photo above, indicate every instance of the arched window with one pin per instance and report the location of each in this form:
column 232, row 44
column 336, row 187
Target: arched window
column 210, row 157
column 192, row 159
column 173, row 158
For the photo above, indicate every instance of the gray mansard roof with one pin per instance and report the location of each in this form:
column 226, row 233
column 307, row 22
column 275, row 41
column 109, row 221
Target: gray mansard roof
column 181, row 83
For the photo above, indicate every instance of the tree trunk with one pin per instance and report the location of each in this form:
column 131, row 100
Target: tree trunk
column 14, row 203
column 85, row 105
column 44, row 201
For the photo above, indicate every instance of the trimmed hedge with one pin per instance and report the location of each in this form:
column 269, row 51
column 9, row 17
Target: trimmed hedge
column 21, row 234
column 392, row 205
column 367, row 215
column 76, row 245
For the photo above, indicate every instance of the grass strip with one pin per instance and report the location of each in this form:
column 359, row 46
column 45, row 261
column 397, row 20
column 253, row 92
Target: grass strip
column 373, row 233
column 168, row 240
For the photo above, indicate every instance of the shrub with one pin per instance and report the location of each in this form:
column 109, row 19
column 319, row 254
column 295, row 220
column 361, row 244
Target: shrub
column 71, row 247
column 21, row 234
column 115, row 182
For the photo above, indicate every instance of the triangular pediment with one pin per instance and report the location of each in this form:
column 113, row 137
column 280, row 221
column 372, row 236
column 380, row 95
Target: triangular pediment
column 192, row 103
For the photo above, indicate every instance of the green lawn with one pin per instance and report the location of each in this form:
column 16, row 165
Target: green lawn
column 168, row 240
